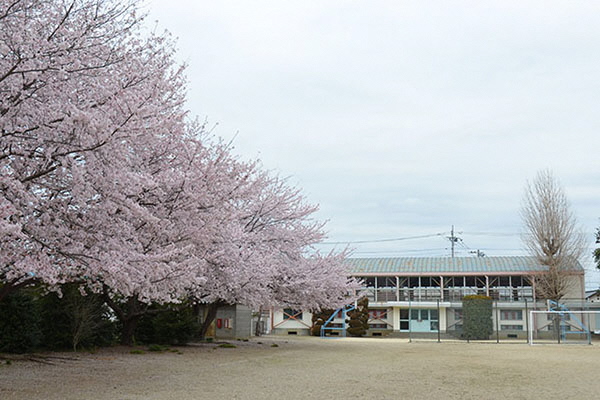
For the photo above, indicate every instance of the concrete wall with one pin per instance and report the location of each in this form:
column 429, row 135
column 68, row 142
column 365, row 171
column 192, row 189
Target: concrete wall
column 284, row 326
column 239, row 318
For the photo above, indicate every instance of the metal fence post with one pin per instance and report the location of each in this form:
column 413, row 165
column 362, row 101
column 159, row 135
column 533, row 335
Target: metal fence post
column 409, row 318
column 527, row 319
column 439, row 319
column 497, row 322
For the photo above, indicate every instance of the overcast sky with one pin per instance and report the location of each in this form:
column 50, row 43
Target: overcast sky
column 403, row 118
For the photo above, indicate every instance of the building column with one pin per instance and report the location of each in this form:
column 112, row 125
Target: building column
column 396, row 319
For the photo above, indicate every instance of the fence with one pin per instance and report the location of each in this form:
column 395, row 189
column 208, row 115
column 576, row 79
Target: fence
column 573, row 321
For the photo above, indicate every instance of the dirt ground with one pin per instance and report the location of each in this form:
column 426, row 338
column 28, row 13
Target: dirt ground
column 313, row 368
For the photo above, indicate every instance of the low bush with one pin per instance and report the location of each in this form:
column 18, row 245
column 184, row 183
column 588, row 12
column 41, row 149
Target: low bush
column 20, row 322
column 72, row 320
column 167, row 324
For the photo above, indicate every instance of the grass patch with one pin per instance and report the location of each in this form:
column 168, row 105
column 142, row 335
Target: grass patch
column 227, row 346
column 274, row 345
column 157, row 347
column 137, row 351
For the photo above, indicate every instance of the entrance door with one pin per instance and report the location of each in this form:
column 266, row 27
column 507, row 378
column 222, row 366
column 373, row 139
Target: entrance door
column 423, row 320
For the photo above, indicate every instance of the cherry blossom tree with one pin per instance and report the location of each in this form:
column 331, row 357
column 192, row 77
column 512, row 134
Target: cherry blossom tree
column 77, row 82
column 266, row 255
column 105, row 183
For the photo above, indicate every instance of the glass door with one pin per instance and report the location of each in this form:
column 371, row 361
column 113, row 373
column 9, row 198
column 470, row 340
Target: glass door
column 424, row 320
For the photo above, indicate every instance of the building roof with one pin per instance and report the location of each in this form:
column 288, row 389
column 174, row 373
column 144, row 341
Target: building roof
column 590, row 293
column 447, row 265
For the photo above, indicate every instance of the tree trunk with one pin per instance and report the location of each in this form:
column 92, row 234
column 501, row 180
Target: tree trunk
column 129, row 314
column 128, row 330
column 209, row 317
column 257, row 328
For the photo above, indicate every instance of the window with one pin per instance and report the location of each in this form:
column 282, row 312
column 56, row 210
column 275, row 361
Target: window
column 458, row 315
column 414, row 314
column 511, row 327
column 290, row 313
column 386, row 282
column 564, row 327
column 511, row 315
column 434, row 314
column 377, row 314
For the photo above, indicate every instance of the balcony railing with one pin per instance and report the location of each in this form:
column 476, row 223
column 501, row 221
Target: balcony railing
column 385, row 295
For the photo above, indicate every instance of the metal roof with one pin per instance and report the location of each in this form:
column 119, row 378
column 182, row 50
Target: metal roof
column 447, row 265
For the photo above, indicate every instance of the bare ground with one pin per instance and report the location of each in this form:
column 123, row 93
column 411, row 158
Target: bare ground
column 313, row 368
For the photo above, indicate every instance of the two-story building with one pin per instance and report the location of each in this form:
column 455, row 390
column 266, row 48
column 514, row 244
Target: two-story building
column 423, row 295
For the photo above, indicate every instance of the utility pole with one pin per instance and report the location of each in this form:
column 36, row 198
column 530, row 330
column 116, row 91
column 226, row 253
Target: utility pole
column 453, row 240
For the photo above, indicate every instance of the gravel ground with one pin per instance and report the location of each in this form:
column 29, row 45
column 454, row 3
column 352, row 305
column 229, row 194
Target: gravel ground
column 313, row 368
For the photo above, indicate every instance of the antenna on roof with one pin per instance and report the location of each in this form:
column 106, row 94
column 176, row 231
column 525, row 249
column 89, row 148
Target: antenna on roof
column 453, row 240
column 478, row 252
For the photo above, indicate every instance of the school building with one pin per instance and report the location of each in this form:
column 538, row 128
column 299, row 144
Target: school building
column 423, row 295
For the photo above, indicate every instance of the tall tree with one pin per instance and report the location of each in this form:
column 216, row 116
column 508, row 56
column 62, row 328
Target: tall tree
column 104, row 181
column 552, row 234
column 597, row 250
column 265, row 253
column 77, row 82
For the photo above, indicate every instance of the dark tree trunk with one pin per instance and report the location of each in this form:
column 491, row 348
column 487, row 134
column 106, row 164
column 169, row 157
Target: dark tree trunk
column 128, row 330
column 128, row 314
column 257, row 328
column 209, row 317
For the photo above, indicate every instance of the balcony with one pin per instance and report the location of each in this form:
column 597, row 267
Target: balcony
column 455, row 294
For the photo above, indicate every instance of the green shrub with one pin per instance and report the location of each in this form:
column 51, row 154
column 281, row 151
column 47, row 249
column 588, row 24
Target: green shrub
column 477, row 317
column 359, row 318
column 137, row 351
column 156, row 347
column 73, row 320
column 172, row 324
column 19, row 322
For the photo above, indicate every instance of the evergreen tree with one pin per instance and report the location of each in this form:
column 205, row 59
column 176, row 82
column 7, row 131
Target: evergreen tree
column 358, row 319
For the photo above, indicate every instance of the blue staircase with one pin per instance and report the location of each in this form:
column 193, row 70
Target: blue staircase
column 563, row 311
column 328, row 328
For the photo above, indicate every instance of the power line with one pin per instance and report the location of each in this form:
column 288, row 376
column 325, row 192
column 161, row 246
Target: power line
column 398, row 251
column 385, row 240
column 493, row 233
